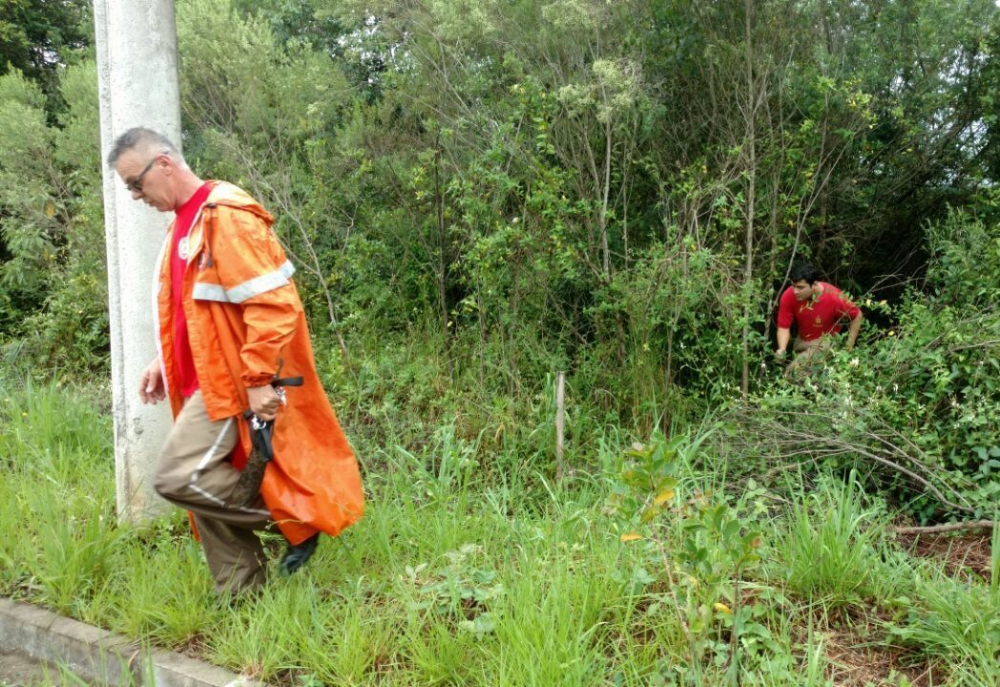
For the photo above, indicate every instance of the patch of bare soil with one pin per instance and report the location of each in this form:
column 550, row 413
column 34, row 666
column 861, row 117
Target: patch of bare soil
column 859, row 655
column 964, row 554
column 859, row 662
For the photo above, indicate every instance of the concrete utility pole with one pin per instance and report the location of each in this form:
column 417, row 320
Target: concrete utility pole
column 138, row 86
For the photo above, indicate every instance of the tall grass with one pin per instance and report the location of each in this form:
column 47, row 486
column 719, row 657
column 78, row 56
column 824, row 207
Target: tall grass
column 57, row 496
column 829, row 550
column 473, row 573
column 956, row 622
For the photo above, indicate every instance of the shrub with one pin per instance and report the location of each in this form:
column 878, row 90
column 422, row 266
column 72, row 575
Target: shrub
column 918, row 406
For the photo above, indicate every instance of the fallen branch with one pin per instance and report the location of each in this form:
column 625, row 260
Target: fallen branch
column 818, row 446
column 950, row 527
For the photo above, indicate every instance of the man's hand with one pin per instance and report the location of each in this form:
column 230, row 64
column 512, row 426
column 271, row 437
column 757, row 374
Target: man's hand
column 264, row 401
column 852, row 332
column 784, row 336
column 151, row 389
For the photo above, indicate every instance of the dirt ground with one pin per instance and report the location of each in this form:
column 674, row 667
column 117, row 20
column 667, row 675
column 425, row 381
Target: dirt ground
column 964, row 554
column 861, row 657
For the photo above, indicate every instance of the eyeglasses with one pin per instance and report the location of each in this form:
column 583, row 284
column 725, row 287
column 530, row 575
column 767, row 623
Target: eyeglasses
column 135, row 185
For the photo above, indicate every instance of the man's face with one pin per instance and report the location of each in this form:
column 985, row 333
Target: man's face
column 146, row 179
column 803, row 290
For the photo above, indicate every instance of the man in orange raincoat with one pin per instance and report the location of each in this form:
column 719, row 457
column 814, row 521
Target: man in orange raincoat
column 229, row 318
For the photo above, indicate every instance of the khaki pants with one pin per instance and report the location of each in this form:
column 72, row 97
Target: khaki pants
column 194, row 472
column 808, row 356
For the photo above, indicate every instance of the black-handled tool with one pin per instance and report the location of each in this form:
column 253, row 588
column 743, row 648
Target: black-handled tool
column 262, row 450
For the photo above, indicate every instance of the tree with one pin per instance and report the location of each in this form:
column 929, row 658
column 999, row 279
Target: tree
column 37, row 35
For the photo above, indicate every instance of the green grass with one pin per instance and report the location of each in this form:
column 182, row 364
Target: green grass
column 469, row 574
column 829, row 547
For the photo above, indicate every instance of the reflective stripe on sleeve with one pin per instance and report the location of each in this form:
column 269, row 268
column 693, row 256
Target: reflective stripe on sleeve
column 209, row 292
column 246, row 290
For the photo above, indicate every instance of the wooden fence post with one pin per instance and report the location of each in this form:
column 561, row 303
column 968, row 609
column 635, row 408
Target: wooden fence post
column 560, row 423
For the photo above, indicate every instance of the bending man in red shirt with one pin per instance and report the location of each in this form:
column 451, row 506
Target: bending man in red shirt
column 819, row 310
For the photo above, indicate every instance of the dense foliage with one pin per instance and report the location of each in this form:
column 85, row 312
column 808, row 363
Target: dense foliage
column 37, row 35
column 920, row 404
column 480, row 194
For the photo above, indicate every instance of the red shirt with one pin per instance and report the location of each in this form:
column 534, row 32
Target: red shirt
column 186, row 215
column 816, row 316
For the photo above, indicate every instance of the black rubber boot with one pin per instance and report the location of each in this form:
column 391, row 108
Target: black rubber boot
column 297, row 555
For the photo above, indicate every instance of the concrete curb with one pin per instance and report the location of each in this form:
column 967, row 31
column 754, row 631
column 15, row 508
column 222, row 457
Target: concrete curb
column 98, row 655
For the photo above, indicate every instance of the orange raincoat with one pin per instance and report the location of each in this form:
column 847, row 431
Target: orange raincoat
column 243, row 316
